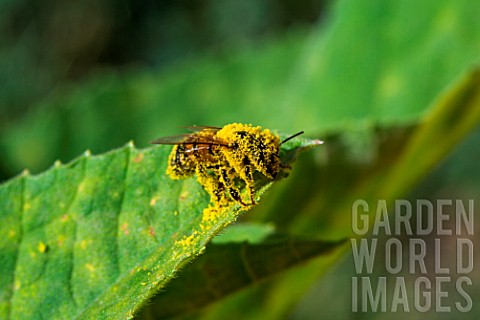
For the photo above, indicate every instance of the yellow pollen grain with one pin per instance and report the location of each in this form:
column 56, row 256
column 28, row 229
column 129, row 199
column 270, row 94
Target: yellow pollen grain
column 186, row 242
column 42, row 247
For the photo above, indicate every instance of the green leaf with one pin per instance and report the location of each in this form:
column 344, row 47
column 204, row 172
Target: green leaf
column 96, row 237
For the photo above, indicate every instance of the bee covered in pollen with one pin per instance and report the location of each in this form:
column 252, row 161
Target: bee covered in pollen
column 225, row 159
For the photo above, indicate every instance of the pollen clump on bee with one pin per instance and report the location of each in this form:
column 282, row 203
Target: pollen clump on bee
column 225, row 160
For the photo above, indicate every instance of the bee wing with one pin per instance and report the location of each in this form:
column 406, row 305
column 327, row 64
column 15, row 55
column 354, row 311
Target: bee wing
column 178, row 139
column 190, row 139
column 196, row 128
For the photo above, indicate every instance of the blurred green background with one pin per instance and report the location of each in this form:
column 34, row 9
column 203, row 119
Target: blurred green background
column 362, row 75
column 96, row 74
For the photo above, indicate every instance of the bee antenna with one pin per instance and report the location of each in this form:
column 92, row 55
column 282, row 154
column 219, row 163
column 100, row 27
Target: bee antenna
column 291, row 137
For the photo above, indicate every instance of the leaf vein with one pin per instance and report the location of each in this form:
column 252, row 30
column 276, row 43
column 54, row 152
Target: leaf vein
column 120, row 210
column 75, row 238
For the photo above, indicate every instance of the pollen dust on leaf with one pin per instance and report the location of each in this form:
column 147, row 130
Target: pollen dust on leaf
column 213, row 214
column 186, row 241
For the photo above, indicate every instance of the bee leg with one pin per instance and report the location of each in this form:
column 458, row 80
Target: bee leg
column 252, row 195
column 211, row 184
column 219, row 192
column 234, row 193
column 247, row 176
column 236, row 196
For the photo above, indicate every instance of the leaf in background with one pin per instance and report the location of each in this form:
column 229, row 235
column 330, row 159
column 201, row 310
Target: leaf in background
column 96, row 237
column 383, row 67
column 112, row 108
column 228, row 267
column 250, row 232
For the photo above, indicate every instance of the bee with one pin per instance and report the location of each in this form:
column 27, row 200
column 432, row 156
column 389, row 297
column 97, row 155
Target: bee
column 225, row 159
